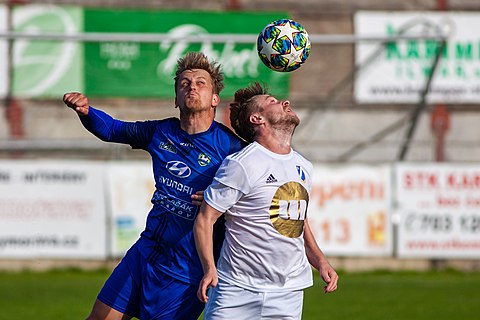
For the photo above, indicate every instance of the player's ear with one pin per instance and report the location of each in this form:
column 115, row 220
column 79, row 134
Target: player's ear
column 256, row 118
column 215, row 100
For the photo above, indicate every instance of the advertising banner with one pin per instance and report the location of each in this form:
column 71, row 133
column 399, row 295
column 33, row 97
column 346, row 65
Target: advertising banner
column 3, row 53
column 439, row 210
column 47, row 68
column 131, row 186
column 398, row 71
column 147, row 69
column 52, row 210
column 350, row 208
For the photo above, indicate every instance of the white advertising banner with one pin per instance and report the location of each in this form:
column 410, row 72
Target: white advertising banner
column 349, row 210
column 400, row 72
column 131, row 186
column 439, row 210
column 52, row 209
column 3, row 53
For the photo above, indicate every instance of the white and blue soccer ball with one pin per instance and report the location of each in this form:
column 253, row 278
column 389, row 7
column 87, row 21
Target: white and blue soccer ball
column 283, row 45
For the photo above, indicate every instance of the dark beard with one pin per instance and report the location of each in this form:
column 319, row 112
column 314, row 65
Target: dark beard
column 286, row 122
column 295, row 120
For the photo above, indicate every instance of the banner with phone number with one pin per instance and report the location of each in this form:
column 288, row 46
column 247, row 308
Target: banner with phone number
column 439, row 210
column 350, row 208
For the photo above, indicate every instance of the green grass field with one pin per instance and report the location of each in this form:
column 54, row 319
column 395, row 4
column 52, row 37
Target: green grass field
column 69, row 294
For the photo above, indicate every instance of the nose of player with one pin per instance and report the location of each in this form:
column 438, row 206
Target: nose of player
column 286, row 106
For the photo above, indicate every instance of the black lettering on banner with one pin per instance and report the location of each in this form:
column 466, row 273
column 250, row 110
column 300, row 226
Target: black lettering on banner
column 429, row 222
column 4, row 176
column 470, row 224
column 55, row 177
column 39, row 241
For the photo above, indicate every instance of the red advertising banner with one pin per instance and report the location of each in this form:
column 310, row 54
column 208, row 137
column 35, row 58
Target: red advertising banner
column 438, row 210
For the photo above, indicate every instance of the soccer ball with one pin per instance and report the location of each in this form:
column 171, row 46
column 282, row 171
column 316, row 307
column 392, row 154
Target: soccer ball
column 283, row 45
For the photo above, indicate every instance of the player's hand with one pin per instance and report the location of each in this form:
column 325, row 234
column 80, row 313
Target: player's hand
column 77, row 101
column 197, row 198
column 330, row 277
column 210, row 279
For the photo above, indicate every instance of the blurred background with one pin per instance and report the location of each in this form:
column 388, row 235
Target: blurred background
column 389, row 100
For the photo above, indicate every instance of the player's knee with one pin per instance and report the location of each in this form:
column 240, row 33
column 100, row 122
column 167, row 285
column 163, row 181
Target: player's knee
column 101, row 311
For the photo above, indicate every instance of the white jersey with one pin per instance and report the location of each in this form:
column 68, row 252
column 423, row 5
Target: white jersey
column 265, row 197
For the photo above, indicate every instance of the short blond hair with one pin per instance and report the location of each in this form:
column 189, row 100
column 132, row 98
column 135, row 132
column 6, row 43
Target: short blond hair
column 198, row 60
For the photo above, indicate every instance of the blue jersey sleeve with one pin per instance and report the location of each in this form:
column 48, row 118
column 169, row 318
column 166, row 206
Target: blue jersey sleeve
column 103, row 126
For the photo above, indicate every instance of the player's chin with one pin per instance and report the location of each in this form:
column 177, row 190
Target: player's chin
column 294, row 120
column 194, row 104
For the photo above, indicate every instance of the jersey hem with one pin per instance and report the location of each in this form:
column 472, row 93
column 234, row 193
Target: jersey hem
column 260, row 289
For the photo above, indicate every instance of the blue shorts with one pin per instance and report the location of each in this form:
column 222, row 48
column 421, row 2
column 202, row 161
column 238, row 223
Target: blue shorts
column 140, row 290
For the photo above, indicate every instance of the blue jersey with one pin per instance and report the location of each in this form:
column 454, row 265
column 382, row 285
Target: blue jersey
column 182, row 165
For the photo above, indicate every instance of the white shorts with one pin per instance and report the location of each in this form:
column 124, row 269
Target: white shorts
column 228, row 302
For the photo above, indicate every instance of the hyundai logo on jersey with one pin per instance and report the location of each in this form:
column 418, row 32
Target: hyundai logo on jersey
column 178, row 169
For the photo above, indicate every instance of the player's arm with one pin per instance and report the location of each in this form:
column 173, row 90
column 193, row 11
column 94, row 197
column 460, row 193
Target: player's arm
column 203, row 232
column 318, row 260
column 103, row 126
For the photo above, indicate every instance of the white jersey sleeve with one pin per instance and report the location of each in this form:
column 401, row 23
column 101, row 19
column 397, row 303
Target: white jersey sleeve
column 221, row 197
column 233, row 174
column 229, row 185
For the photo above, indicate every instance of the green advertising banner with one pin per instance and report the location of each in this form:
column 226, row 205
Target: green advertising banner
column 132, row 69
column 3, row 54
column 47, row 68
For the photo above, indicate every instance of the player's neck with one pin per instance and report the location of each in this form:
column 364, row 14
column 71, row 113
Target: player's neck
column 196, row 122
column 276, row 139
column 278, row 143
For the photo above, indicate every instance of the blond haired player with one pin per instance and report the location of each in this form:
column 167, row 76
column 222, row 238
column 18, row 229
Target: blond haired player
column 158, row 277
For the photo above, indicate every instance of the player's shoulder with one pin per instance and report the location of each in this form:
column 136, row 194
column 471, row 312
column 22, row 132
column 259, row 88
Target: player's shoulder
column 223, row 129
column 167, row 122
column 243, row 160
column 172, row 122
column 163, row 125
column 246, row 154
column 224, row 139
column 302, row 159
